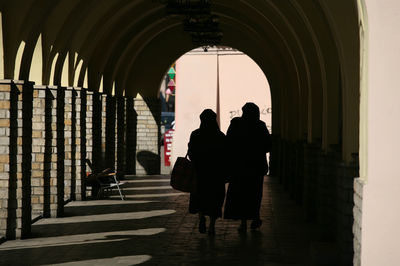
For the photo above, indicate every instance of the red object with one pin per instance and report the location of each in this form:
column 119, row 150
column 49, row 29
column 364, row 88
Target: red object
column 168, row 146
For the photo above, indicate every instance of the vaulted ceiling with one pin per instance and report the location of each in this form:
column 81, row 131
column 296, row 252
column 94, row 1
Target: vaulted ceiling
column 308, row 49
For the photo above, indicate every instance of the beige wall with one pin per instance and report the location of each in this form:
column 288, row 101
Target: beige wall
column 240, row 81
column 381, row 195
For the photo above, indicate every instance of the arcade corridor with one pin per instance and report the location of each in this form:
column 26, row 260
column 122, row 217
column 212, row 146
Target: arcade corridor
column 80, row 80
column 152, row 227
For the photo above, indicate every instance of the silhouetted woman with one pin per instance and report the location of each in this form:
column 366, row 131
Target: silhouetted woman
column 206, row 151
column 249, row 140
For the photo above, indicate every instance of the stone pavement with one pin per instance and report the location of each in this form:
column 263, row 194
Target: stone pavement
column 152, row 227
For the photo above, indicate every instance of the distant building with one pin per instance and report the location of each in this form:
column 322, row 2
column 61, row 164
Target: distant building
column 222, row 79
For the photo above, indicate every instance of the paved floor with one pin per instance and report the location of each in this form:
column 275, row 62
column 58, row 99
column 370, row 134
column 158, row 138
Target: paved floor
column 152, row 227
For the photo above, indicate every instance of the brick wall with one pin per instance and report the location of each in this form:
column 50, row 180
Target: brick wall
column 148, row 136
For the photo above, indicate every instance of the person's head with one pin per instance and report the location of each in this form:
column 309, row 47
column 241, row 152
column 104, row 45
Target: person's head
column 251, row 111
column 208, row 119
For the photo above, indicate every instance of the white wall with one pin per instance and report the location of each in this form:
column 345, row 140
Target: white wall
column 381, row 196
column 240, row 81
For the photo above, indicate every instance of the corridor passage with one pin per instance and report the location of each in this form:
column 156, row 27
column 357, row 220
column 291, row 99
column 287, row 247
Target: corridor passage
column 152, row 227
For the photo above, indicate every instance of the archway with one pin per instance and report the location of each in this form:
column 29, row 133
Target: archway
column 309, row 53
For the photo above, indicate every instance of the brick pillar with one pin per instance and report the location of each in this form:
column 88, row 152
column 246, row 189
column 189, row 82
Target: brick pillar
column 299, row 183
column 326, row 197
column 60, row 150
column 15, row 158
column 27, row 99
column 38, row 149
column 76, row 173
column 346, row 172
column 110, row 117
column 49, row 158
column 120, row 136
column 148, row 136
column 131, row 124
column 68, row 191
column 87, row 132
column 97, row 159
column 311, row 155
column 82, row 140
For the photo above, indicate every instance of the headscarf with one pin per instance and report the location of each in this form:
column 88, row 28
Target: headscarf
column 208, row 120
column 251, row 112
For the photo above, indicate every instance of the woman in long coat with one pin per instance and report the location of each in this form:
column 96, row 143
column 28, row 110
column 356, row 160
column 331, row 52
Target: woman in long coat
column 206, row 151
column 249, row 141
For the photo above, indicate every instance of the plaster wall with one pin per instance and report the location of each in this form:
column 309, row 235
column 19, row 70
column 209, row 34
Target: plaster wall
column 381, row 195
column 239, row 79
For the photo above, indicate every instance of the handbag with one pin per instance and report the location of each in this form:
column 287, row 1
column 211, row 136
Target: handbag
column 183, row 176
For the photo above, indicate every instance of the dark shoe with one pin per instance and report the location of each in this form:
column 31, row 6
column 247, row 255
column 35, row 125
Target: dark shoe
column 202, row 225
column 255, row 224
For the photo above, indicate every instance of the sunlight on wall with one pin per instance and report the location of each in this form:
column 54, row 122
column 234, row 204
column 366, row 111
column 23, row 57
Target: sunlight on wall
column 18, row 60
column 36, row 70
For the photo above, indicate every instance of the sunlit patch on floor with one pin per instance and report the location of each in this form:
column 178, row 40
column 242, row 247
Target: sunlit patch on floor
column 106, row 217
column 123, row 260
column 148, row 188
column 92, row 238
column 105, row 202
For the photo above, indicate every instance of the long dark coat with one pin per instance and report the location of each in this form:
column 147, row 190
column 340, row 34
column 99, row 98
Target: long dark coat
column 206, row 151
column 248, row 141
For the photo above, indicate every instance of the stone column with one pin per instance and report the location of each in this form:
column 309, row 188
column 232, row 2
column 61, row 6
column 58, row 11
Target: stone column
column 148, row 136
column 131, row 123
column 15, row 158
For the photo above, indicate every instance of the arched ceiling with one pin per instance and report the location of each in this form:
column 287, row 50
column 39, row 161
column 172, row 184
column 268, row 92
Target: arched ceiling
column 304, row 47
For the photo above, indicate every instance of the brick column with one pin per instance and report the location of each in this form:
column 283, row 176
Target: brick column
column 87, row 133
column 50, row 158
column 311, row 154
column 38, row 150
column 120, row 136
column 148, row 136
column 82, row 141
column 76, row 173
column 131, row 124
column 15, row 158
column 60, row 150
column 110, row 117
column 68, row 191
column 97, row 159
column 346, row 172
